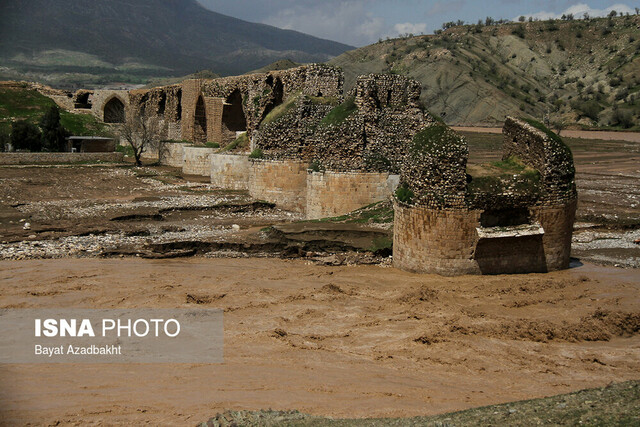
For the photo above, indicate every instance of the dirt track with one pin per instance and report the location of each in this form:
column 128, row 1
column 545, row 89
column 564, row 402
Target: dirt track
column 341, row 341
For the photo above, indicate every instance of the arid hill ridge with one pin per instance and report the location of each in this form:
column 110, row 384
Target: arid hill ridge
column 578, row 71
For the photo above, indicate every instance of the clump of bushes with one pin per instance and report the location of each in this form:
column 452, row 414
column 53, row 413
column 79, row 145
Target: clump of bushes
column 404, row 194
column 256, row 154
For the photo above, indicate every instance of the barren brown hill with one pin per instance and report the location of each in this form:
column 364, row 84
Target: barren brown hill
column 578, row 71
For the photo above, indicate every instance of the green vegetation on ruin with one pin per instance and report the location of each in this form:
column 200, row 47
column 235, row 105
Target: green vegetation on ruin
column 404, row 194
column 508, row 175
column 375, row 213
column 212, row 145
column 323, row 100
column 436, row 140
column 256, row 154
column 340, row 113
column 24, row 103
column 560, row 145
column 241, row 143
column 281, row 110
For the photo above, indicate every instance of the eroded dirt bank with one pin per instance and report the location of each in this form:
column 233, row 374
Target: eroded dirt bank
column 357, row 341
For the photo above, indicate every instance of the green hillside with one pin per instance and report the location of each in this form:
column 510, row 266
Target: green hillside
column 91, row 43
column 578, row 71
column 22, row 102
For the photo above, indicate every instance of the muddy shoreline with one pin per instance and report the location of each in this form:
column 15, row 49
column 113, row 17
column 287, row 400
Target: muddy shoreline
column 358, row 341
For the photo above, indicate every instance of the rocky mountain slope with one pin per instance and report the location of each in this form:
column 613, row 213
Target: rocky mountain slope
column 128, row 38
column 578, row 71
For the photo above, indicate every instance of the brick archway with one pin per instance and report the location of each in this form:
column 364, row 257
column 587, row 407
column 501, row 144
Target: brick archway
column 114, row 111
column 200, row 121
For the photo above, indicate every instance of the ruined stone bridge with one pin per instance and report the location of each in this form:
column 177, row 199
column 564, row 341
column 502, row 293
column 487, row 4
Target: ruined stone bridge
column 327, row 153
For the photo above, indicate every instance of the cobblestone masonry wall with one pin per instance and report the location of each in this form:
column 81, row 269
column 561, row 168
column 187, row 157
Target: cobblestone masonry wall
column 53, row 158
column 544, row 152
column 230, row 171
column 441, row 233
column 197, row 160
column 337, row 193
column 259, row 94
column 163, row 104
column 283, row 182
column 373, row 137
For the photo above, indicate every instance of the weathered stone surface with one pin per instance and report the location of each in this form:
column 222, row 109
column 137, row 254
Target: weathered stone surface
column 230, row 171
column 52, row 158
column 197, row 160
column 337, row 193
column 283, row 182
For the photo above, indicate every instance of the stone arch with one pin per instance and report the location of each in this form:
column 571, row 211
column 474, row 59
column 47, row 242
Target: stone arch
column 233, row 118
column 277, row 90
column 114, row 110
column 200, row 121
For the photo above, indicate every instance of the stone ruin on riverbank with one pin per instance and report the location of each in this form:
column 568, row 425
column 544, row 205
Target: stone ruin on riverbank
column 318, row 150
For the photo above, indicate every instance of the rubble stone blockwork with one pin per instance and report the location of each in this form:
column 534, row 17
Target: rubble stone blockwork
column 448, row 229
column 240, row 103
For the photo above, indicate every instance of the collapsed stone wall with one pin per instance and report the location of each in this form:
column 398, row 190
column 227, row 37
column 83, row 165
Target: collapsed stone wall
column 545, row 152
column 367, row 132
column 447, row 226
column 251, row 96
column 287, row 137
column 163, row 104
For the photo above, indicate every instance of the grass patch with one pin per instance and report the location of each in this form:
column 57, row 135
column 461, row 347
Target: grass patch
column 340, row 113
column 375, row 213
column 126, row 149
column 240, row 143
column 435, row 140
column 404, row 194
column 613, row 405
column 256, row 154
column 502, row 176
column 212, row 145
column 323, row 100
column 31, row 105
column 282, row 109
column 382, row 244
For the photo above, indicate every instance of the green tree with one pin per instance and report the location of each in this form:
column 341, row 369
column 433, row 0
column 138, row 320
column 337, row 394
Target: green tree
column 25, row 136
column 53, row 133
column 5, row 139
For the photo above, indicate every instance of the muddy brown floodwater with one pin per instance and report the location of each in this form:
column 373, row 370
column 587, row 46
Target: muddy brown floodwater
column 361, row 341
column 333, row 340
